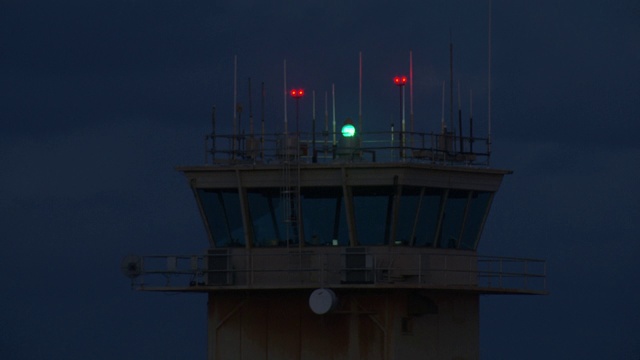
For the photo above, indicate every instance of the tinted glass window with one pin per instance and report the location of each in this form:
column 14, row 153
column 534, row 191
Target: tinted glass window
column 407, row 215
column 222, row 216
column 324, row 215
column 452, row 218
column 428, row 214
column 266, row 208
column 475, row 217
column 373, row 207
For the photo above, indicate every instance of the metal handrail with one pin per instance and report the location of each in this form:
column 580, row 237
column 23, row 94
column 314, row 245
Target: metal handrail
column 322, row 269
column 425, row 147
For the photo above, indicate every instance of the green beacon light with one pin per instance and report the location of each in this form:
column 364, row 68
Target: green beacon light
column 348, row 130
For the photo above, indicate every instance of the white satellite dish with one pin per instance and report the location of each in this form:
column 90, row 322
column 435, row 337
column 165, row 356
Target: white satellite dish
column 322, row 301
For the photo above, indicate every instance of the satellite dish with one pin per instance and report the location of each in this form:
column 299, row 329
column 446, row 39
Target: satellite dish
column 131, row 266
column 322, row 301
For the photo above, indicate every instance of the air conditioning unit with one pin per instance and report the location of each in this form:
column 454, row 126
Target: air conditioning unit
column 357, row 266
column 219, row 267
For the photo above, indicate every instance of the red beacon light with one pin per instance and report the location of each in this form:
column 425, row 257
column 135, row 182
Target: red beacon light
column 296, row 93
column 400, row 80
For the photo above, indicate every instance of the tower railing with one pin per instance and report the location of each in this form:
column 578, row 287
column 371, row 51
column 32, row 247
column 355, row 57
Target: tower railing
column 228, row 270
column 382, row 146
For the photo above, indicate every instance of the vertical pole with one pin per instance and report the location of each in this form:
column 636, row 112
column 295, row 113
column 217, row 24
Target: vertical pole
column 262, row 116
column 213, row 134
column 250, row 111
column 314, row 156
column 298, row 117
column 285, row 100
column 443, row 127
column 489, row 87
column 451, row 83
column 411, row 97
column 360, row 96
column 333, row 95
column 392, row 139
column 460, row 119
column 403, row 122
column 235, row 104
column 326, row 122
column 471, row 121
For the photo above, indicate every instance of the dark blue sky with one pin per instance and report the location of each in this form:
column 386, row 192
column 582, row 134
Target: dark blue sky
column 100, row 100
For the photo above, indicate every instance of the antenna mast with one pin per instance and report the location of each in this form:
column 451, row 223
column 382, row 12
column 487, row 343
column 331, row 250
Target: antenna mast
column 489, row 89
column 411, row 91
column 402, row 109
column 443, row 127
column 285, row 96
column 471, row 121
column 314, row 156
column 250, row 111
column 360, row 95
column 333, row 95
column 235, row 106
column 213, row 136
column 326, row 122
column 262, row 116
column 451, row 80
column 460, row 119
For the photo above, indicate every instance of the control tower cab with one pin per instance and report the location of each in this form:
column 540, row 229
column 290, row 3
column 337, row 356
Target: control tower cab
column 342, row 245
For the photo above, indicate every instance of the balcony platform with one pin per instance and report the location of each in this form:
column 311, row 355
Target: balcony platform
column 362, row 268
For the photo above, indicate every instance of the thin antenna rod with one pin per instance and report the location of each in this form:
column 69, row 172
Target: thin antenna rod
column 262, row 115
column 213, row 135
column 250, row 111
column 404, row 129
column 333, row 95
column 314, row 155
column 451, row 81
column 360, row 95
column 411, row 90
column 460, row 119
column 326, row 122
column 471, row 121
column 443, row 127
column 285, row 96
column 235, row 106
column 489, row 86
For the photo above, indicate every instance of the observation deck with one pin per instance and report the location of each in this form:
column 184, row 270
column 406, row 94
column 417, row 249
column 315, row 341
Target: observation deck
column 380, row 210
column 352, row 268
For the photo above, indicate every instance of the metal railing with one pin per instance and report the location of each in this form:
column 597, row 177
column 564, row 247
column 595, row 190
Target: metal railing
column 311, row 269
column 383, row 146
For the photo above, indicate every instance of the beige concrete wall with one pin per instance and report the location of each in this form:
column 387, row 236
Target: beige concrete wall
column 385, row 325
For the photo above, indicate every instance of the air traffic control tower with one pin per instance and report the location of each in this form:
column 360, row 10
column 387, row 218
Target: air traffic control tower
column 342, row 245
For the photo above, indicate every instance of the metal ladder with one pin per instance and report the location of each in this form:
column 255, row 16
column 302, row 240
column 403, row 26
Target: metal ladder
column 290, row 191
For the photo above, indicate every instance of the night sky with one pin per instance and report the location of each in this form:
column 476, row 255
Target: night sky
column 100, row 100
